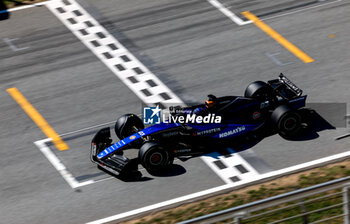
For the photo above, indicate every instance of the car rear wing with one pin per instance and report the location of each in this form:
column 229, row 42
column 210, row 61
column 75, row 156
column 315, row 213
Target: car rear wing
column 285, row 88
column 290, row 84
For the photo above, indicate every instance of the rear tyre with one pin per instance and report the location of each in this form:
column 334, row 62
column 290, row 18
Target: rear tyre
column 154, row 157
column 127, row 125
column 258, row 90
column 287, row 121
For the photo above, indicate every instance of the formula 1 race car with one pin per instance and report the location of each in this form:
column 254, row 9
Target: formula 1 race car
column 272, row 104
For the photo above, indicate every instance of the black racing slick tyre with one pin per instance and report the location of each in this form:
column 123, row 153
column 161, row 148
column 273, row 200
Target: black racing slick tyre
column 154, row 157
column 287, row 121
column 258, row 90
column 127, row 125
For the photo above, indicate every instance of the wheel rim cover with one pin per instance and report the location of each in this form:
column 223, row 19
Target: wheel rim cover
column 290, row 124
column 156, row 158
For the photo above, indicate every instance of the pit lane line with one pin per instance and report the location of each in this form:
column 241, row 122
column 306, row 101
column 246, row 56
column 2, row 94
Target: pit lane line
column 278, row 38
column 258, row 22
column 59, row 166
column 226, row 11
column 234, row 160
column 267, row 29
column 301, row 10
column 37, row 118
column 220, row 5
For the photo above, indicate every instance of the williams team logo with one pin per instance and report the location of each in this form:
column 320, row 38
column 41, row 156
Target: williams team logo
column 152, row 115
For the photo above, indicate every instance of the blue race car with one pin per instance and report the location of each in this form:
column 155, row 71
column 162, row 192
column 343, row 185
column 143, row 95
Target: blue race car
column 273, row 104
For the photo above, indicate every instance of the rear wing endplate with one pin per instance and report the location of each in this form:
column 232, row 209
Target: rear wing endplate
column 290, row 84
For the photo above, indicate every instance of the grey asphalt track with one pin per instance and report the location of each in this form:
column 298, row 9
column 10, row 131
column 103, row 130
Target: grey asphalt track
column 195, row 50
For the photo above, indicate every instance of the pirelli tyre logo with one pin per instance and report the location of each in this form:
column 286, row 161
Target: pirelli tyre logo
column 232, row 132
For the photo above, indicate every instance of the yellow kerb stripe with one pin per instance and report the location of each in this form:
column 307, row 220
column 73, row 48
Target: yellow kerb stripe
column 284, row 42
column 37, row 118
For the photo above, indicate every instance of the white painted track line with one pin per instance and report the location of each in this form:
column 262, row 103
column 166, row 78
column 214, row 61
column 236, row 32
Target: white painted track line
column 228, row 13
column 240, row 22
column 88, row 128
column 56, row 162
column 91, row 127
column 215, row 3
column 61, row 168
column 301, row 10
column 160, row 205
column 281, row 172
column 67, row 176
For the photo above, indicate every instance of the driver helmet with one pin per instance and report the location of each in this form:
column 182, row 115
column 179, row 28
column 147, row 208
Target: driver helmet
column 211, row 102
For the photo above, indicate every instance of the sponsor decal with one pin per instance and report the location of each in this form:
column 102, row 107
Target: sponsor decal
column 192, row 118
column 155, row 115
column 120, row 144
column 152, row 115
column 256, row 115
column 176, row 109
column 232, row 132
column 182, row 150
column 141, row 133
column 169, row 134
column 132, row 137
column 210, row 131
column 264, row 104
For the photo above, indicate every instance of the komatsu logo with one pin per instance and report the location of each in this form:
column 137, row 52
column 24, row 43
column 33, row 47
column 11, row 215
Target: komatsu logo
column 232, row 132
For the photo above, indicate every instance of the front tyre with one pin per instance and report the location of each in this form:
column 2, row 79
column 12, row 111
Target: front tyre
column 287, row 121
column 127, row 125
column 154, row 157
